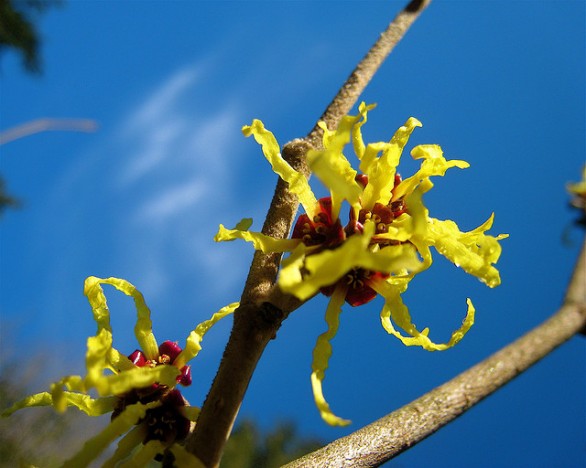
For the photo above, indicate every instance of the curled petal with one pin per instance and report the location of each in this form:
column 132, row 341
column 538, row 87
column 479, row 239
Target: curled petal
column 144, row 327
column 97, row 444
column 321, row 356
column 260, row 241
column 38, row 399
column 71, row 382
column 474, row 251
column 298, row 184
column 357, row 140
column 396, row 310
column 89, row 405
column 434, row 164
column 381, row 170
column 100, row 355
column 97, row 300
column 193, row 343
column 98, row 349
column 336, row 173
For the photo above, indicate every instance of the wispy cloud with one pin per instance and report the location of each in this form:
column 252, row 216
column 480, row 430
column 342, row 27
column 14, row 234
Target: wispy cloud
column 172, row 200
column 178, row 156
column 150, row 193
column 155, row 126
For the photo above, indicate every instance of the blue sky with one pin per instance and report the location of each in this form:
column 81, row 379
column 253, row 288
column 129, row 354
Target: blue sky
column 499, row 84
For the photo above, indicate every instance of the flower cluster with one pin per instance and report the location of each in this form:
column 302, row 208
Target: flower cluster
column 383, row 243
column 148, row 412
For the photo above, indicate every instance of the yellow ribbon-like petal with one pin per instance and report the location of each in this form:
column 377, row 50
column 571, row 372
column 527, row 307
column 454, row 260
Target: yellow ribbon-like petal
column 336, row 173
column 396, row 310
column 434, row 164
column 71, row 382
column 321, row 356
column 306, row 276
column 97, row 444
column 85, row 403
column 89, row 405
column 143, row 328
column 473, row 251
column 193, row 343
column 98, row 349
column 260, row 241
column 144, row 454
column 357, row 140
column 138, row 377
column 381, row 170
column 298, row 184
column 38, row 399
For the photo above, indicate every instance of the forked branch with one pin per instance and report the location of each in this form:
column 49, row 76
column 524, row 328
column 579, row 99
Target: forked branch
column 263, row 306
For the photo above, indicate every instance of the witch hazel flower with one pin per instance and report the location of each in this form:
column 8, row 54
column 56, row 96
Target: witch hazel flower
column 382, row 244
column 149, row 415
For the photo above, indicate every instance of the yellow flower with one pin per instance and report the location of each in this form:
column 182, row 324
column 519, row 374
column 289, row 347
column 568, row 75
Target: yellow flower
column 385, row 242
column 139, row 389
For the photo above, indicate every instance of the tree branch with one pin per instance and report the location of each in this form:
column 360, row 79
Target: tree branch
column 263, row 306
column 46, row 124
column 393, row 434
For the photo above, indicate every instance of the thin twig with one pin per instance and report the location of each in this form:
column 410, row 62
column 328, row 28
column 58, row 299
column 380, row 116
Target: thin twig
column 263, row 307
column 393, row 434
column 46, row 124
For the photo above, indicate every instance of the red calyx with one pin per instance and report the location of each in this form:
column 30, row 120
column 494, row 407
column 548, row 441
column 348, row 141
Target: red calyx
column 185, row 377
column 170, row 349
column 322, row 229
column 138, row 358
column 358, row 280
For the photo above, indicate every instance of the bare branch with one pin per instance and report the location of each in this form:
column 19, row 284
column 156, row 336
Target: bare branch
column 393, row 434
column 366, row 69
column 264, row 307
column 46, row 124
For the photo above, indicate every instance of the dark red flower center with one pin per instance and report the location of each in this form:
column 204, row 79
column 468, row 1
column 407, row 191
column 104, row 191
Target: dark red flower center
column 322, row 230
column 358, row 281
column 326, row 233
column 165, row 422
column 168, row 352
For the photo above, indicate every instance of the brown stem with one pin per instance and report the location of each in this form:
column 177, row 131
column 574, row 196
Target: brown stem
column 393, row 434
column 263, row 306
column 368, row 66
column 43, row 125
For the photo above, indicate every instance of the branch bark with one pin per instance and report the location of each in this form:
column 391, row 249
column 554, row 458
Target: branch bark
column 46, row 124
column 393, row 434
column 263, row 307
